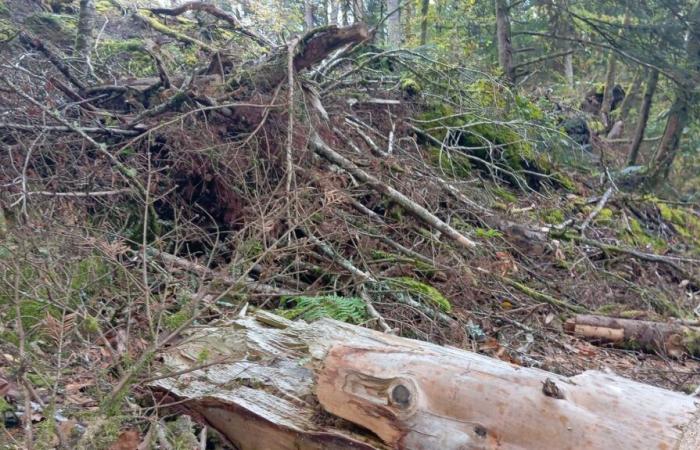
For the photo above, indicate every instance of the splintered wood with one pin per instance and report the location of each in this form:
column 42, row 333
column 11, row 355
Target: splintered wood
column 330, row 385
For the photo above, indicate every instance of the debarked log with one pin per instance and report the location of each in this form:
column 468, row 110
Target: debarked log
column 672, row 339
column 330, row 385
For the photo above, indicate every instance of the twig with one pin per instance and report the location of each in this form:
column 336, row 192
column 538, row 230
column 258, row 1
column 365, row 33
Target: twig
column 219, row 14
column 350, row 267
column 429, row 218
column 126, row 172
column 291, row 47
column 598, row 208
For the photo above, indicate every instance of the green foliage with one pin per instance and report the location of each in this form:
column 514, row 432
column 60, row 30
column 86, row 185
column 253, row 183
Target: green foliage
column 450, row 162
column 176, row 319
column 346, row 309
column 424, row 291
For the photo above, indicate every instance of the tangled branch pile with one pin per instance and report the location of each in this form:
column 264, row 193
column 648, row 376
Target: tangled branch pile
column 191, row 176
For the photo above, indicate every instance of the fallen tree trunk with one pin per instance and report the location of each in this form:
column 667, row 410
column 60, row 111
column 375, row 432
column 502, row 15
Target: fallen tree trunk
column 671, row 339
column 330, row 385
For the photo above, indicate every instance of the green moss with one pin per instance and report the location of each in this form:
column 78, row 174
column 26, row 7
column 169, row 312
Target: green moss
column 487, row 233
column 56, row 28
column 132, row 51
column 425, row 291
column 104, row 6
column 396, row 212
column 4, row 10
column 691, row 342
column 203, row 356
column 4, row 406
column 684, row 222
column 175, row 320
column 410, row 86
column 637, row 235
column 605, row 216
column 553, row 216
column 596, row 126
column 91, row 325
column 7, row 30
column 505, row 194
column 251, row 248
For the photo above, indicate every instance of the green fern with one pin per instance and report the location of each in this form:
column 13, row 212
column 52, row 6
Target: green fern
column 345, row 309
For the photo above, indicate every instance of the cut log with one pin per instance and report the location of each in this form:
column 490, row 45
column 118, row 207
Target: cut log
column 670, row 339
column 330, row 385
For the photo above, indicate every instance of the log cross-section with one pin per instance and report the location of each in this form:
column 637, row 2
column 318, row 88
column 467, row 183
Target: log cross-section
column 330, row 385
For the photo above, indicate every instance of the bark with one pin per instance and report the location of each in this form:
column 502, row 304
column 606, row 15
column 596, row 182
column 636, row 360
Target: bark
column 393, row 23
column 633, row 94
column 669, row 339
column 284, row 385
column 424, row 9
column 638, row 137
column 86, row 25
column 503, row 40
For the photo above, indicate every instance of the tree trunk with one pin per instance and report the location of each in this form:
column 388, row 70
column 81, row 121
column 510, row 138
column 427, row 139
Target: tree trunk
column 335, row 7
column 569, row 69
column 393, row 23
column 308, row 15
column 632, row 95
column 668, row 339
column 671, row 139
column 86, row 25
column 606, row 105
column 652, row 81
column 505, row 48
column 424, row 9
column 277, row 384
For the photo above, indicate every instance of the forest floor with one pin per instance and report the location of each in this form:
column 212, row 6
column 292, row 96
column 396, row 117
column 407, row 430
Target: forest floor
column 513, row 239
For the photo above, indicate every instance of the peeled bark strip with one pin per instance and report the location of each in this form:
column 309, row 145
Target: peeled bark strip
column 657, row 337
column 291, row 385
